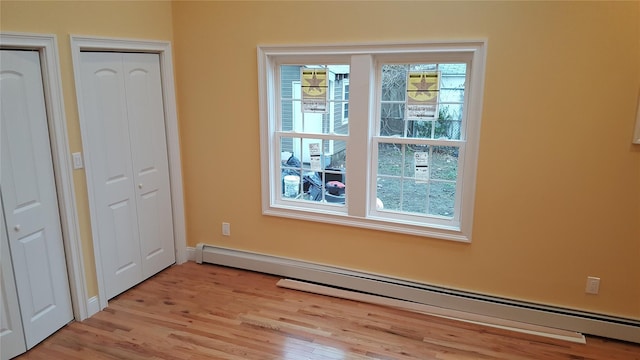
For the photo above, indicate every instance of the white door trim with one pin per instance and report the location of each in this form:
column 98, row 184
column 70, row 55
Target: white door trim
column 163, row 49
column 47, row 46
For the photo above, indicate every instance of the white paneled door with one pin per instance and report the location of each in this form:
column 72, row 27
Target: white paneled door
column 11, row 334
column 32, row 221
column 127, row 166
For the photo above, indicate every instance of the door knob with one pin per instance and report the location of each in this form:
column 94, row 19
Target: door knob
column 17, row 227
column 139, row 186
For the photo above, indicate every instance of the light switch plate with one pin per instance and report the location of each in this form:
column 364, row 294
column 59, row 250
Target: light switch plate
column 77, row 160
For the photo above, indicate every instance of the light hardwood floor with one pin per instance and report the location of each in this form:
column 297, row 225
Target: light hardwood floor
column 194, row 312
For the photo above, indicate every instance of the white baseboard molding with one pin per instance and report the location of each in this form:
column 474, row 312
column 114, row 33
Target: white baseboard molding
column 531, row 313
column 93, row 306
column 191, row 254
column 510, row 325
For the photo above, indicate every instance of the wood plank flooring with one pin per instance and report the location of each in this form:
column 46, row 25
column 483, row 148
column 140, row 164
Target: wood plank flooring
column 196, row 312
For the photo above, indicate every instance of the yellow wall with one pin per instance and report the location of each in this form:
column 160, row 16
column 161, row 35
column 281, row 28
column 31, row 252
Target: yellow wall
column 139, row 20
column 559, row 182
column 558, row 192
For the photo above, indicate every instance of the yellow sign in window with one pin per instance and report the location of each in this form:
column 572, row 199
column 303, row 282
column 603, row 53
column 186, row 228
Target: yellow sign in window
column 314, row 90
column 422, row 94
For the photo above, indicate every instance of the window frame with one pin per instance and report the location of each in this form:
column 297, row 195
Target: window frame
column 365, row 60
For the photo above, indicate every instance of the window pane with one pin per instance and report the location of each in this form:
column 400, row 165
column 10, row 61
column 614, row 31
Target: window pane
column 345, row 98
column 453, row 80
column 389, row 191
column 451, row 95
column 451, row 112
column 420, row 129
column 417, row 179
column 392, row 119
column 290, row 170
column 414, row 199
column 286, row 110
column 390, row 159
column 444, row 164
column 449, row 122
column 429, row 108
column 312, row 154
column 442, row 198
column 316, row 104
column 394, row 82
column 412, row 160
column 288, row 75
column 321, row 175
column 423, row 67
column 453, row 69
column 336, row 151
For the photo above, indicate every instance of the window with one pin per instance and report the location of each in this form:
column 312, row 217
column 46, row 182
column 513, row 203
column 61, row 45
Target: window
column 345, row 101
column 398, row 153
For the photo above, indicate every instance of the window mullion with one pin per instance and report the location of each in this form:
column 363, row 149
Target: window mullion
column 359, row 146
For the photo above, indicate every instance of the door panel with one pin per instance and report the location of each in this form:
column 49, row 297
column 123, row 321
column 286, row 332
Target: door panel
column 30, row 200
column 111, row 169
column 150, row 163
column 124, row 115
column 11, row 334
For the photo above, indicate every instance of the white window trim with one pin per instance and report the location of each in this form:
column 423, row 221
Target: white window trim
column 361, row 208
column 636, row 133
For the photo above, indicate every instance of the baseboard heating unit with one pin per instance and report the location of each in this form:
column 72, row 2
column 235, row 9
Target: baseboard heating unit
column 398, row 289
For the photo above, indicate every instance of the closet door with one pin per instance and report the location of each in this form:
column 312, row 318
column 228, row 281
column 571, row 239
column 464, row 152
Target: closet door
column 150, row 162
column 111, row 170
column 29, row 199
column 128, row 170
column 11, row 334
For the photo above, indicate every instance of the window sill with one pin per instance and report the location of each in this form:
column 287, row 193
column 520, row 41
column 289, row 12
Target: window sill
column 372, row 223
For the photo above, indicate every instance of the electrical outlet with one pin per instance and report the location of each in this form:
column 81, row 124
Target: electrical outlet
column 593, row 285
column 226, row 229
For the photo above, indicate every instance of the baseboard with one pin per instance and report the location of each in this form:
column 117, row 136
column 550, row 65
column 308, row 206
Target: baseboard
column 536, row 314
column 93, row 306
column 191, row 254
column 411, row 306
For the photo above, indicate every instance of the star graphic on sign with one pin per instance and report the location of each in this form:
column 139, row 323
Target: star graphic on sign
column 314, row 82
column 314, row 85
column 422, row 91
column 423, row 86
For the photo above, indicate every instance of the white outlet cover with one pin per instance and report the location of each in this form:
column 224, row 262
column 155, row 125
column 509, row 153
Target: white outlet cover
column 593, row 285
